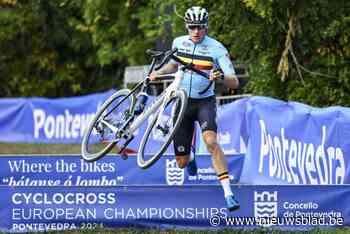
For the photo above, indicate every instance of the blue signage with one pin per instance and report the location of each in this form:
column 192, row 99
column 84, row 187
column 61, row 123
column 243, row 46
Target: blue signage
column 291, row 143
column 284, row 142
column 293, row 207
column 43, row 120
column 112, row 170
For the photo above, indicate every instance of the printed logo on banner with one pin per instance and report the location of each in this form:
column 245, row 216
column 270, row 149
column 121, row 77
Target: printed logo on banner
column 265, row 206
column 297, row 161
column 174, row 174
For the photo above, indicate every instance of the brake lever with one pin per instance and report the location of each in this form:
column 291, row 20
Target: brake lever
column 155, row 53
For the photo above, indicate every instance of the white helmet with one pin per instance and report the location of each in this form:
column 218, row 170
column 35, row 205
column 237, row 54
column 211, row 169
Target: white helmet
column 196, row 16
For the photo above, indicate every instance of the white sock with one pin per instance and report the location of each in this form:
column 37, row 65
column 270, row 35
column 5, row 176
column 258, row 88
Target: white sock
column 225, row 183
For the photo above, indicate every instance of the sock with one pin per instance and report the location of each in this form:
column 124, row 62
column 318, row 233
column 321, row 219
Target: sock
column 225, row 183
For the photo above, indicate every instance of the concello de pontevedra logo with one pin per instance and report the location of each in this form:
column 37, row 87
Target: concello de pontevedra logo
column 265, row 205
column 174, row 174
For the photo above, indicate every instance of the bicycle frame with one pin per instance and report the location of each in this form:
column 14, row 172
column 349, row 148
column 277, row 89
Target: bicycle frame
column 159, row 104
column 124, row 129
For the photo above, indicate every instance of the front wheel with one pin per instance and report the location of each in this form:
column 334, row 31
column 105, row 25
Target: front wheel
column 102, row 132
column 161, row 129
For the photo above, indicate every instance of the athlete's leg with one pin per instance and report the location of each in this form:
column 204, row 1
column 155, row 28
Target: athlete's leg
column 207, row 120
column 218, row 159
column 183, row 139
column 182, row 144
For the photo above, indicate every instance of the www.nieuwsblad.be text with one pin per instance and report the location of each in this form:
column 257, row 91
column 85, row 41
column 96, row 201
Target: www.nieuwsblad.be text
column 217, row 220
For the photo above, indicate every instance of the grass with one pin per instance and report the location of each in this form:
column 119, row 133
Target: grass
column 7, row 148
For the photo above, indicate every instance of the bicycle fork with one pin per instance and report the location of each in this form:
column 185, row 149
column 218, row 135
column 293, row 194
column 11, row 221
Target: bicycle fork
column 167, row 97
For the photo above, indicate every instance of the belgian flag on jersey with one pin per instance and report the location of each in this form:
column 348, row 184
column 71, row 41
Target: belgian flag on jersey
column 200, row 62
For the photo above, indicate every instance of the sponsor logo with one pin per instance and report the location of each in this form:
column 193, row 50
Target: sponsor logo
column 174, row 174
column 65, row 125
column 181, row 148
column 265, row 205
column 299, row 162
column 186, row 44
column 204, row 47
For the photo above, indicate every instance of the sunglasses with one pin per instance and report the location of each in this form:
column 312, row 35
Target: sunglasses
column 199, row 27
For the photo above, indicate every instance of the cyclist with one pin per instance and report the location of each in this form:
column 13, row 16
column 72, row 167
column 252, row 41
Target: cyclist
column 210, row 56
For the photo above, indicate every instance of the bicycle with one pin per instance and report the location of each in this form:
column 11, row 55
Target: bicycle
column 120, row 116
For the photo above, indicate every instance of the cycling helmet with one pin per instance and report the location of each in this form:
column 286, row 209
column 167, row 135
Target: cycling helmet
column 196, row 16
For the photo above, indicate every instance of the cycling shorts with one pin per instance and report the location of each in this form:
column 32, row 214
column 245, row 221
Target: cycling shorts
column 202, row 110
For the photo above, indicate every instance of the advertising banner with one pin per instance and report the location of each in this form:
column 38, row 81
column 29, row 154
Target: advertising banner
column 44, row 120
column 27, row 209
column 292, row 143
column 284, row 142
column 112, row 170
column 63, row 120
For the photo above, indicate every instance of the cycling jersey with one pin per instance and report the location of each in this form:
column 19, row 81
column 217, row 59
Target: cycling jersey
column 207, row 55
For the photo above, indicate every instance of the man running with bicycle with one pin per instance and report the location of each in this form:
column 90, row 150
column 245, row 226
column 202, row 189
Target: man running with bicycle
column 210, row 56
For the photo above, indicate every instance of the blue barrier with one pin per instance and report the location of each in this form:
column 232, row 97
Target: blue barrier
column 44, row 120
column 63, row 120
column 112, row 170
column 281, row 143
column 292, row 143
column 26, row 209
column 284, row 142
column 60, row 192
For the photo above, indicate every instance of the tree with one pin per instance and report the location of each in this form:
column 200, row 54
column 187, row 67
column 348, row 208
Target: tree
column 295, row 50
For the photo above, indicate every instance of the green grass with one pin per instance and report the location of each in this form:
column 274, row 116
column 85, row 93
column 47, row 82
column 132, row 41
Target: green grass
column 7, row 148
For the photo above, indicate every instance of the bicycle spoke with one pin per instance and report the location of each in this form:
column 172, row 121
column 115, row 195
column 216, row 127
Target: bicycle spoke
column 161, row 128
column 103, row 132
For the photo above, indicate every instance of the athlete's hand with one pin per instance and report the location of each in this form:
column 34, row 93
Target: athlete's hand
column 153, row 76
column 215, row 74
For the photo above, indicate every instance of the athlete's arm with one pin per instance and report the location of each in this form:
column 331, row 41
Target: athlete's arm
column 166, row 69
column 230, row 79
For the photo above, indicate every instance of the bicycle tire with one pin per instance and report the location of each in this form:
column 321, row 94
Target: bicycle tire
column 88, row 133
column 146, row 163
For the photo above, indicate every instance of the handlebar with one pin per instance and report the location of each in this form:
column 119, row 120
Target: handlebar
column 171, row 55
column 191, row 67
column 167, row 55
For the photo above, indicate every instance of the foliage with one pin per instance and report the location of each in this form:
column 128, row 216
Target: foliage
column 317, row 73
column 295, row 50
column 61, row 48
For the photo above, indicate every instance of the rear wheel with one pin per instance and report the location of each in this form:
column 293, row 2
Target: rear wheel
column 161, row 129
column 102, row 132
